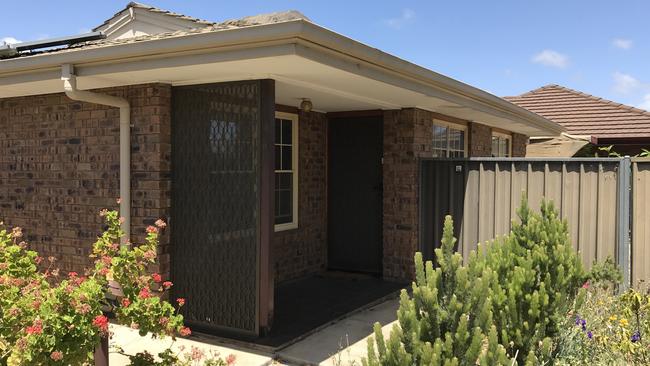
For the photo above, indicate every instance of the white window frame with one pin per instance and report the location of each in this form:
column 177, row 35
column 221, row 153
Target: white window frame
column 455, row 126
column 294, row 168
column 507, row 136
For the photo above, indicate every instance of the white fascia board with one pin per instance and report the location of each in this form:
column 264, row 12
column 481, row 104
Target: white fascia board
column 364, row 58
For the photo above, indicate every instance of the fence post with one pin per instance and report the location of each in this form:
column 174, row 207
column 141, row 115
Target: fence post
column 623, row 242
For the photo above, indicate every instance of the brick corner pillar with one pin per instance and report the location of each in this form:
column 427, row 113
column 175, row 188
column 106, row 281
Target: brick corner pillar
column 519, row 143
column 480, row 140
column 151, row 165
column 407, row 137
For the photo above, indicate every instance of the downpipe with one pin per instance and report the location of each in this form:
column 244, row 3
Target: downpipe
column 70, row 88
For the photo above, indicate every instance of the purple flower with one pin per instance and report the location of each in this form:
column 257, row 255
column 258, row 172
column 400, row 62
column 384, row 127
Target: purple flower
column 636, row 336
column 583, row 323
column 590, row 335
column 577, row 319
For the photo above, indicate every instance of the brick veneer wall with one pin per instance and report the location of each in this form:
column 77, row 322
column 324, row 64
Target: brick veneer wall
column 407, row 136
column 519, row 143
column 59, row 165
column 480, row 140
column 302, row 251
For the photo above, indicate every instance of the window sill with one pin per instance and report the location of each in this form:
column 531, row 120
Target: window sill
column 285, row 227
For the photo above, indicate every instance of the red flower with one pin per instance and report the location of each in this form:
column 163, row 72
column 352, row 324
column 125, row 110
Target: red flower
column 152, row 229
column 156, row 277
column 180, row 301
column 73, row 274
column 126, row 302
column 185, row 331
column 101, row 322
column 160, row 224
column 56, row 356
column 144, row 293
column 167, row 284
column 35, row 328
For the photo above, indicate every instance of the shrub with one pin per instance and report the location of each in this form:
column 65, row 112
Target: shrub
column 46, row 319
column 508, row 299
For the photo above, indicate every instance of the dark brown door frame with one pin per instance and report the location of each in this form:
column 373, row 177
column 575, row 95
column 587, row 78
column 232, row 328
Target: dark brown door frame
column 267, row 204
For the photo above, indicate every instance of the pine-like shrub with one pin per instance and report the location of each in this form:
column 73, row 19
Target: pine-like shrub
column 506, row 302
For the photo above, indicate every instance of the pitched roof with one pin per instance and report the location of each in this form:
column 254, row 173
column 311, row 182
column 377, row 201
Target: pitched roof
column 249, row 21
column 154, row 9
column 584, row 114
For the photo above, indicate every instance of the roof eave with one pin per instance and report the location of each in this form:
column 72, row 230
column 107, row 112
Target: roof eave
column 290, row 30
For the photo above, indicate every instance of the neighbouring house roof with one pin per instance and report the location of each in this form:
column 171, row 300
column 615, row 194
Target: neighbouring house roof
column 562, row 146
column 584, row 114
column 305, row 60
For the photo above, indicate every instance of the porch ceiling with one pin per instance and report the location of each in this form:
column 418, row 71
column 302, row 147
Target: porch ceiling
column 333, row 80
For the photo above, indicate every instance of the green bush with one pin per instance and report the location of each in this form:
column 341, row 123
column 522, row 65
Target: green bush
column 505, row 303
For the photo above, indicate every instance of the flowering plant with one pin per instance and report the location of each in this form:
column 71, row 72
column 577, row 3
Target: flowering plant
column 606, row 329
column 49, row 319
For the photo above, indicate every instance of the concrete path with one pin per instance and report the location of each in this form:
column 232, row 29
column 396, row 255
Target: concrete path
column 131, row 342
column 343, row 343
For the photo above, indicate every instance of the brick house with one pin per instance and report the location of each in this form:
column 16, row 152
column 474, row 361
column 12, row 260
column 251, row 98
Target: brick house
column 274, row 148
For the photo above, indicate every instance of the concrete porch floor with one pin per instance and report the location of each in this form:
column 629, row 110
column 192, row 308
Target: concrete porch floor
column 345, row 340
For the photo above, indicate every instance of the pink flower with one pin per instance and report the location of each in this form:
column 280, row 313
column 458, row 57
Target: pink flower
column 101, row 322
column 126, row 302
column 38, row 260
column 163, row 321
column 149, row 254
column 84, row 309
column 180, row 301
column 156, row 277
column 230, row 360
column 17, row 232
column 585, row 285
column 73, row 274
column 103, row 212
column 135, row 325
column 197, row 354
column 107, row 260
column 144, row 293
column 56, row 356
column 160, row 224
column 167, row 284
column 185, row 331
column 152, row 229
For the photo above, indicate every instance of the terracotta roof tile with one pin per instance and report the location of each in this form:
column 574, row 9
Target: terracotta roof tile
column 585, row 114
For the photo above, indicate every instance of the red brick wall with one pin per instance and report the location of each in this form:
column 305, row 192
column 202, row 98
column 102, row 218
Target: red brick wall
column 407, row 136
column 480, row 140
column 519, row 143
column 59, row 165
column 302, row 251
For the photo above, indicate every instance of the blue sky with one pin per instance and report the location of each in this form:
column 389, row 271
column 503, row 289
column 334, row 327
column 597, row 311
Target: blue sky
column 504, row 47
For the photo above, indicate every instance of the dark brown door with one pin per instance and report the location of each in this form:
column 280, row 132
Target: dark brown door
column 355, row 194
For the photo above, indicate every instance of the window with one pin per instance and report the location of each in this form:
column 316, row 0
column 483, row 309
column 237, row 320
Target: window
column 449, row 140
column 501, row 145
column 286, row 171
